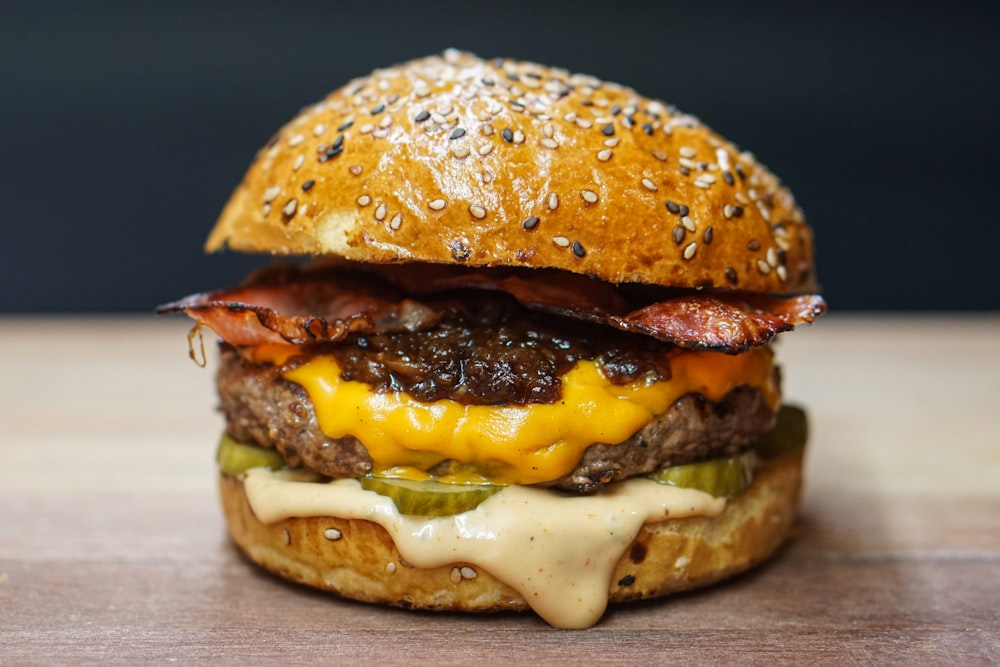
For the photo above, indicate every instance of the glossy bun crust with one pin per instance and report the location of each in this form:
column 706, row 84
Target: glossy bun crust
column 666, row 557
column 453, row 159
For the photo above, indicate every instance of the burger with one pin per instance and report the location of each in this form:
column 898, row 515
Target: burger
column 513, row 350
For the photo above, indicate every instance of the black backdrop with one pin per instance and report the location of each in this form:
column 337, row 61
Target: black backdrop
column 126, row 124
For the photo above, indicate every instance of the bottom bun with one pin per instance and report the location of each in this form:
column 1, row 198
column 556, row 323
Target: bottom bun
column 357, row 559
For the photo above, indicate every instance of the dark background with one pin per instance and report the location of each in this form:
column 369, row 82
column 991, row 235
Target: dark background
column 125, row 125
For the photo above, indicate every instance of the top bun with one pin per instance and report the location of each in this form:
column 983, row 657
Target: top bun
column 452, row 159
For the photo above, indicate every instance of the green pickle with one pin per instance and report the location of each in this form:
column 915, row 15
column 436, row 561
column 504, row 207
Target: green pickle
column 719, row 477
column 235, row 457
column 429, row 497
column 789, row 433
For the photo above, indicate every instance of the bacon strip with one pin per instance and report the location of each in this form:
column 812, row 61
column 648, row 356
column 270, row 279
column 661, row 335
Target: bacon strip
column 725, row 321
column 307, row 305
column 302, row 311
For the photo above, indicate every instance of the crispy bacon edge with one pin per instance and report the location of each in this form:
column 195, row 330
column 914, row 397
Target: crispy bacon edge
column 302, row 306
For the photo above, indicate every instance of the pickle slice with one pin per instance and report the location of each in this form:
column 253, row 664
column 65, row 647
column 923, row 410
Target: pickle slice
column 235, row 457
column 789, row 433
column 429, row 497
column 719, row 477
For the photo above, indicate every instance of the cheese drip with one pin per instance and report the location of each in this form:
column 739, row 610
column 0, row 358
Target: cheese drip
column 514, row 444
column 559, row 552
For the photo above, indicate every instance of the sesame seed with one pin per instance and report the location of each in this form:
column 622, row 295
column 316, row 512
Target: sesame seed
column 709, row 235
column 467, row 572
column 708, row 178
column 578, row 249
column 727, row 211
column 604, row 155
column 690, row 249
column 647, row 128
column 518, row 137
column 739, row 172
column 379, row 109
column 289, row 209
column 561, row 241
column 753, row 245
column 553, row 201
column 764, row 213
column 507, row 134
column 782, row 273
column 271, row 193
column 686, row 163
column 548, row 130
column 380, row 212
column 295, row 140
column 319, row 129
column 589, row 196
column 477, row 211
column 332, row 534
column 266, row 210
column 366, row 128
column 688, row 223
column 584, row 123
column 456, row 575
column 731, row 276
column 390, row 567
column 678, row 234
column 737, row 211
column 608, row 129
column 422, row 116
column 364, row 200
column 701, row 183
column 612, row 142
column 772, row 256
column 286, row 537
column 355, row 169
column 385, row 122
column 673, row 207
column 763, row 267
column 723, row 159
column 460, row 151
column 307, row 186
column 648, row 184
column 727, row 176
column 396, row 222
column 687, row 151
column 437, row 204
column 458, row 133
column 549, row 143
column 299, row 161
column 684, row 210
column 345, row 125
column 530, row 223
column 659, row 155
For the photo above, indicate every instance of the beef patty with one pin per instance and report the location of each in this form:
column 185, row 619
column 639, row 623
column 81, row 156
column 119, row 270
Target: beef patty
column 263, row 408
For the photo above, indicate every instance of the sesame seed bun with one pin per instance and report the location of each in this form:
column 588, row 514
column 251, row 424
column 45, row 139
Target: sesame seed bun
column 358, row 559
column 458, row 160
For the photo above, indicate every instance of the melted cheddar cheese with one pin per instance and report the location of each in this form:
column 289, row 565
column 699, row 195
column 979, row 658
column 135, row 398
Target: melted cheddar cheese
column 512, row 444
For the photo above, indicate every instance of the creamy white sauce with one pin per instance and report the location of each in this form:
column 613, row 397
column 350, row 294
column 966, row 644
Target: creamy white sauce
column 558, row 551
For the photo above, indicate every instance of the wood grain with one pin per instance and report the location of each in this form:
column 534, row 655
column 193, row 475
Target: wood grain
column 112, row 547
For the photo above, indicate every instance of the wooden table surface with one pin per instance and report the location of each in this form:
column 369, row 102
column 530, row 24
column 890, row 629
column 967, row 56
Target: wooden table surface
column 112, row 547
